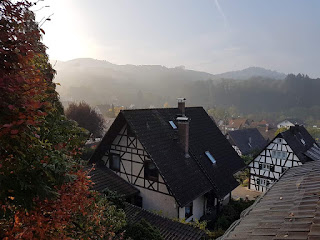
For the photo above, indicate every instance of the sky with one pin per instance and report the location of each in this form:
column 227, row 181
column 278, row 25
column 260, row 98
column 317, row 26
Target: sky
column 214, row 36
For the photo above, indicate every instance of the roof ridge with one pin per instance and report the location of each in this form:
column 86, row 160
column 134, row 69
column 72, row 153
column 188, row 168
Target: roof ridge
column 146, row 109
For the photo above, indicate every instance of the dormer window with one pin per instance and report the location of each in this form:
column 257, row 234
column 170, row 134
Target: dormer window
column 211, row 158
column 150, row 171
column 173, row 125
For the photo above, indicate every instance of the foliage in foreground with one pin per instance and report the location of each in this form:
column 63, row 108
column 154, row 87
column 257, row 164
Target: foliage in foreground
column 43, row 194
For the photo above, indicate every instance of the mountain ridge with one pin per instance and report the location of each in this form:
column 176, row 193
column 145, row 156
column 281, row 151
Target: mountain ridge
column 243, row 74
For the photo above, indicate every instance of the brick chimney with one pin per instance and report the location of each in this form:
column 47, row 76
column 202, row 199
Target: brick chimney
column 182, row 105
column 183, row 127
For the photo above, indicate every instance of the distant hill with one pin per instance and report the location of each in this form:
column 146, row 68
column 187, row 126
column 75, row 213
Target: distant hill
column 251, row 72
column 250, row 90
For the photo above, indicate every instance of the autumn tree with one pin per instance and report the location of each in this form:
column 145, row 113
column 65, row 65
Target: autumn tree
column 86, row 117
column 44, row 194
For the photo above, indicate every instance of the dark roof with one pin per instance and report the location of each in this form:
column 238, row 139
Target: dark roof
column 289, row 210
column 168, row 228
column 247, row 140
column 186, row 178
column 296, row 136
column 104, row 178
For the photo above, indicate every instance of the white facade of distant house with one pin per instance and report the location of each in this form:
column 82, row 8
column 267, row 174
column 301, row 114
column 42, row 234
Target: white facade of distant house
column 286, row 124
column 270, row 164
column 129, row 160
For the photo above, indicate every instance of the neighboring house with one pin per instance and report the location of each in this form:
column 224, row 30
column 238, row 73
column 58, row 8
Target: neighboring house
column 105, row 179
column 238, row 123
column 246, row 141
column 291, row 148
column 289, row 210
column 290, row 122
column 176, row 157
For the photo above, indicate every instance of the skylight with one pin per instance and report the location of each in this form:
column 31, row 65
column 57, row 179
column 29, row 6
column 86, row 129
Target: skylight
column 173, row 125
column 303, row 142
column 211, row 158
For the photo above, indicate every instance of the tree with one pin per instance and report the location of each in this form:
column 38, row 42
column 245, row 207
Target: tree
column 86, row 117
column 280, row 130
column 44, row 193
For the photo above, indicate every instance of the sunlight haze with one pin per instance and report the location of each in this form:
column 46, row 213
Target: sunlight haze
column 213, row 36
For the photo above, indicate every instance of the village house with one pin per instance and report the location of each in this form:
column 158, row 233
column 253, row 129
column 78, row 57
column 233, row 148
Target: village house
column 290, row 148
column 237, row 123
column 246, row 141
column 177, row 158
column 289, row 122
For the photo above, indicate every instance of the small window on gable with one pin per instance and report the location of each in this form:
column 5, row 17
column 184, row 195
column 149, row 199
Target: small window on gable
column 211, row 158
column 188, row 210
column 173, row 125
column 115, row 162
column 150, row 171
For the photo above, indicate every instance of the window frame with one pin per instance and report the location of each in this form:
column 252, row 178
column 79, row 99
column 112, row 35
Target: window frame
column 148, row 172
column 279, row 154
column 111, row 162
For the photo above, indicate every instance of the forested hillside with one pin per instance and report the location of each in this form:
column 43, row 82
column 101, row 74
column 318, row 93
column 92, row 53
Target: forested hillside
column 101, row 82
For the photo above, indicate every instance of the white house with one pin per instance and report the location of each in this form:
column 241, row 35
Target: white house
column 288, row 149
column 177, row 158
column 290, row 122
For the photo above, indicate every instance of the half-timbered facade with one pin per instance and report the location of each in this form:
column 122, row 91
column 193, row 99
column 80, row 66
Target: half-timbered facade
column 288, row 149
column 176, row 157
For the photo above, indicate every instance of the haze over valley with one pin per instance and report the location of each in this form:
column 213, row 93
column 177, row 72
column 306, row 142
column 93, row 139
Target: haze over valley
column 252, row 90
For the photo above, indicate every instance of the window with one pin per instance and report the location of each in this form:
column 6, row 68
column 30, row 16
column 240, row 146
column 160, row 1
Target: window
column 279, row 154
column 188, row 210
column 266, row 166
column 211, row 158
column 173, row 125
column 303, row 141
column 263, row 182
column 115, row 162
column 278, row 140
column 150, row 171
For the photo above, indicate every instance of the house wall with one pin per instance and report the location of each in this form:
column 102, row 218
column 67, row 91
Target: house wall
column 198, row 209
column 262, row 178
column 155, row 194
column 164, row 205
column 285, row 123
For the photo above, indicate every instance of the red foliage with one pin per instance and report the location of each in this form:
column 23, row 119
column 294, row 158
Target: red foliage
column 73, row 213
column 38, row 146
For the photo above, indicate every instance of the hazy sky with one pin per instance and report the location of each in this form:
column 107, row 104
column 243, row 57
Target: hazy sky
column 213, row 36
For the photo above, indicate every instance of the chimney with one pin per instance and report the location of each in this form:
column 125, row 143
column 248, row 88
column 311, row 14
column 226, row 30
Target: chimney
column 267, row 127
column 182, row 105
column 183, row 132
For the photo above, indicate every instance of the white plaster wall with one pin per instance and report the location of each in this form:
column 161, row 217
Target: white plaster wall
column 154, row 201
column 198, row 209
